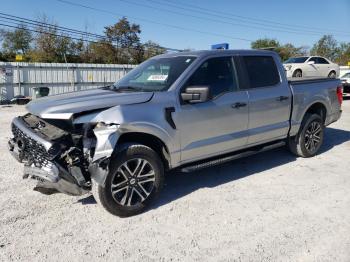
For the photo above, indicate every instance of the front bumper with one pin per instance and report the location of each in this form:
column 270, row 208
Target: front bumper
column 289, row 73
column 38, row 156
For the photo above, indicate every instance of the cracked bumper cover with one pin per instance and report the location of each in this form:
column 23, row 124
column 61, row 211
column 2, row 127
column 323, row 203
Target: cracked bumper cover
column 47, row 178
column 47, row 175
column 106, row 139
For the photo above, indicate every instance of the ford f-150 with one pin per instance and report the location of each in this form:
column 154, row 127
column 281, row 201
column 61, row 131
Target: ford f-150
column 184, row 111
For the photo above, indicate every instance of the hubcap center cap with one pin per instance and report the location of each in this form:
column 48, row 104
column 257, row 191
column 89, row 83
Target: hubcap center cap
column 132, row 181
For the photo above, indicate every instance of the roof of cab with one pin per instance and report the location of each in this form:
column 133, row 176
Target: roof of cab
column 203, row 53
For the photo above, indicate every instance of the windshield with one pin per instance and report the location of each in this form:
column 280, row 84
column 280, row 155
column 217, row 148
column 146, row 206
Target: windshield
column 347, row 75
column 156, row 74
column 296, row 60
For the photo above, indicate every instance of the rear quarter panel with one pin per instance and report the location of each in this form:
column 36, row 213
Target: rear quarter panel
column 309, row 92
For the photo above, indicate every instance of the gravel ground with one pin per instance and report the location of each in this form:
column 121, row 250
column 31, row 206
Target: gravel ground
column 269, row 207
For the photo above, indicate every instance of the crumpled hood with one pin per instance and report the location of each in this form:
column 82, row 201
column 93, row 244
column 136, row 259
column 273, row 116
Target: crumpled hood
column 65, row 105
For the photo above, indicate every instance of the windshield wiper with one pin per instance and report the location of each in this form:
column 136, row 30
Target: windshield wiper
column 126, row 88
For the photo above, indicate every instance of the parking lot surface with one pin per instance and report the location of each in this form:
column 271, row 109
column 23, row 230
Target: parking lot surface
column 268, row 207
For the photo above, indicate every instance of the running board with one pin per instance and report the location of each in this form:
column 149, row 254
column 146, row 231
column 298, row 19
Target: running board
column 234, row 156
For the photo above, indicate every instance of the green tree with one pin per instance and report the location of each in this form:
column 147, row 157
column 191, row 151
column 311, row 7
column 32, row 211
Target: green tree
column 102, row 52
column 265, row 43
column 51, row 46
column 343, row 56
column 125, row 36
column 327, row 47
column 16, row 41
column 285, row 51
column 288, row 50
column 152, row 49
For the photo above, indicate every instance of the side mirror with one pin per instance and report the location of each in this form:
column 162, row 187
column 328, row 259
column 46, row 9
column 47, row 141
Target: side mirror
column 311, row 62
column 195, row 94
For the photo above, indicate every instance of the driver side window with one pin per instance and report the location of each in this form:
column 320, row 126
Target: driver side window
column 313, row 59
column 218, row 74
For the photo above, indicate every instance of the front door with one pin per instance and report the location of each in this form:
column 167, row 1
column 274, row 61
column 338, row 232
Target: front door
column 312, row 70
column 219, row 125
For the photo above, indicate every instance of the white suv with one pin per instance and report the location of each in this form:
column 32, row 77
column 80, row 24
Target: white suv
column 311, row 66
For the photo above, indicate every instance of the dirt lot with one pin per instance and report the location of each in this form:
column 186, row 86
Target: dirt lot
column 269, row 207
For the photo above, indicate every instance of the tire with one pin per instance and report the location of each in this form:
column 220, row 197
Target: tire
column 298, row 73
column 332, row 74
column 135, row 179
column 309, row 138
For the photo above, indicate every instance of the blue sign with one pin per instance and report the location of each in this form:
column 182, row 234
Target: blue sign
column 220, row 46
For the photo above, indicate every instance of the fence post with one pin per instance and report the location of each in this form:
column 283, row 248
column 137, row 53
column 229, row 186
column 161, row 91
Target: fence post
column 19, row 79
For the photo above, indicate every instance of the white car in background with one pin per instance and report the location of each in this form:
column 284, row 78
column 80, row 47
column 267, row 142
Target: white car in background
column 311, row 66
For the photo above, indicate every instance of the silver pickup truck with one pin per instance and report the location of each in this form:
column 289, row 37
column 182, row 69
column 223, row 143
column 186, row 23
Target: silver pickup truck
column 183, row 110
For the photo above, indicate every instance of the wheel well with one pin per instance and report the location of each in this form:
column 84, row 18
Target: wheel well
column 319, row 109
column 296, row 70
column 148, row 140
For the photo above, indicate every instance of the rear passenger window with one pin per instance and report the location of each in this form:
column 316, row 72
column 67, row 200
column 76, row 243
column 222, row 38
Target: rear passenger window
column 321, row 60
column 217, row 73
column 262, row 71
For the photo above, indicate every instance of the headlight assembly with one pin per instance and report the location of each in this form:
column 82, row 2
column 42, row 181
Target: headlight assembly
column 288, row 67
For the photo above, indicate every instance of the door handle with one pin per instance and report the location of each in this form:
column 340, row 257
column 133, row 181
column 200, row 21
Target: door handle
column 238, row 105
column 282, row 98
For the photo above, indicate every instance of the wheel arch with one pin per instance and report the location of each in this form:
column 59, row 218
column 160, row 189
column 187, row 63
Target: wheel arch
column 317, row 108
column 332, row 70
column 149, row 140
column 297, row 69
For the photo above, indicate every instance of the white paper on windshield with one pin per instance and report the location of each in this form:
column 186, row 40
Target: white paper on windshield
column 157, row 77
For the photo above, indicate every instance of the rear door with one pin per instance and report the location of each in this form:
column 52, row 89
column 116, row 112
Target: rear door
column 322, row 66
column 269, row 99
column 217, row 126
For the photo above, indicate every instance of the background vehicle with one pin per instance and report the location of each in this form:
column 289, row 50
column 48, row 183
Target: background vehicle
column 345, row 80
column 185, row 110
column 311, row 66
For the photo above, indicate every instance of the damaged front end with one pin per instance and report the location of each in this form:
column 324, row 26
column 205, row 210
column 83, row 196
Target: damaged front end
column 60, row 156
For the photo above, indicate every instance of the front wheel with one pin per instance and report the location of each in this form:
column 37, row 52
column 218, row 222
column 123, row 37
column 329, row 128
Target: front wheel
column 135, row 179
column 298, row 73
column 309, row 138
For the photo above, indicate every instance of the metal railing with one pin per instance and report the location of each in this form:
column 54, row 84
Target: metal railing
column 19, row 78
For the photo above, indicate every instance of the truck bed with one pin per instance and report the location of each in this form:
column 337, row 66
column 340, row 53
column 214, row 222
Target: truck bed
column 308, row 91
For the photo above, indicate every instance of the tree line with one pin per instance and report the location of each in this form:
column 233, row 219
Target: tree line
column 327, row 46
column 121, row 44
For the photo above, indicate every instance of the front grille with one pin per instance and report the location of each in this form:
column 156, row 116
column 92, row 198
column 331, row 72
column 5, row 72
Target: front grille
column 31, row 151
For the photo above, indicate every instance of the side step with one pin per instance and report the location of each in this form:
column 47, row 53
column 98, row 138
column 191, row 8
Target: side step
column 233, row 156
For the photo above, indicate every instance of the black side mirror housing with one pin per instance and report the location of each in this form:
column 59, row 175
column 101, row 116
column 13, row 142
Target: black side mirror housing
column 196, row 94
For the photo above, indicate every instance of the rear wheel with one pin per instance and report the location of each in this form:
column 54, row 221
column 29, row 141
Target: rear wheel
column 309, row 138
column 135, row 179
column 298, row 73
